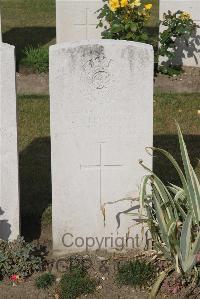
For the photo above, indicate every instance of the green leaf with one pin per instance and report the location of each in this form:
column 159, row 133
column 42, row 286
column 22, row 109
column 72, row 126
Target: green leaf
column 116, row 27
column 193, row 188
column 142, row 192
column 129, row 35
column 185, row 239
column 127, row 26
column 134, row 27
column 157, row 284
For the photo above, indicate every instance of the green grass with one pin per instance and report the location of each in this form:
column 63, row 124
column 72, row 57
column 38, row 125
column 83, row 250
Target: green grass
column 76, row 283
column 45, row 280
column 34, row 146
column 26, row 13
column 33, row 119
column 34, row 161
column 135, row 273
column 28, row 23
column 184, row 108
column 36, row 59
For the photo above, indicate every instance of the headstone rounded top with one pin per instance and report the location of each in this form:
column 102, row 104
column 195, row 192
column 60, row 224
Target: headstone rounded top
column 102, row 42
column 6, row 46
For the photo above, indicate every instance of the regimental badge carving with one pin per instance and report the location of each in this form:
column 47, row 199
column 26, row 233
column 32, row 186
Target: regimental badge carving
column 97, row 70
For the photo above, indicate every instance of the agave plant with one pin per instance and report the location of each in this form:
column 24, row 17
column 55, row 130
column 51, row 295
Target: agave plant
column 173, row 214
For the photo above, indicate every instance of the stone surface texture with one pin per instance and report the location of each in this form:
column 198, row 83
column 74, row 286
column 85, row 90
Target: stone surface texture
column 77, row 20
column 101, row 98
column 9, row 191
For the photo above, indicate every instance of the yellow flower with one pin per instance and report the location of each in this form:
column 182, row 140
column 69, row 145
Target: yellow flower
column 148, row 6
column 136, row 3
column 114, row 5
column 185, row 16
column 124, row 3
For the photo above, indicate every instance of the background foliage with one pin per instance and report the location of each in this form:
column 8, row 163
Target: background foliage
column 19, row 257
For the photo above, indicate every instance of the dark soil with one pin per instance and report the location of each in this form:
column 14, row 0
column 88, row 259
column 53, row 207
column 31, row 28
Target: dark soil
column 101, row 265
column 187, row 82
column 32, row 84
column 106, row 286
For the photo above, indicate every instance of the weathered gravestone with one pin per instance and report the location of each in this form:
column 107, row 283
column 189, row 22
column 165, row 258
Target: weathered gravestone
column 101, row 121
column 188, row 55
column 9, row 193
column 0, row 29
column 76, row 20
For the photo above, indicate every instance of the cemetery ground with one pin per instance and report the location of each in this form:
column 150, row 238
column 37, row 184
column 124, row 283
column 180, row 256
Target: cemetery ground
column 34, row 25
column 34, row 148
column 35, row 185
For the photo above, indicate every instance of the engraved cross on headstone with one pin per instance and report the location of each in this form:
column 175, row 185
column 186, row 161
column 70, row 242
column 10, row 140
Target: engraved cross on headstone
column 100, row 166
column 87, row 24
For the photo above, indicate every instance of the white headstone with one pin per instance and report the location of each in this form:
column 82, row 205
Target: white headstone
column 0, row 29
column 101, row 95
column 186, row 55
column 76, row 20
column 9, row 191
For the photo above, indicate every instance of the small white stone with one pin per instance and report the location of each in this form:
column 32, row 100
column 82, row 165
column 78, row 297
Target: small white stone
column 102, row 258
column 58, row 279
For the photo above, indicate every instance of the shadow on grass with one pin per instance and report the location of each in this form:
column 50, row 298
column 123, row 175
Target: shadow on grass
column 35, row 186
column 28, row 36
column 163, row 168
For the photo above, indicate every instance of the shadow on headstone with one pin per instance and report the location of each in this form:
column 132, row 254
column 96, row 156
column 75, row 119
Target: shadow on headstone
column 163, row 168
column 35, row 186
column 5, row 228
column 28, row 36
column 186, row 48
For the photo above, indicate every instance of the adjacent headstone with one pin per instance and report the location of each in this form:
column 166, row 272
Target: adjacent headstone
column 101, row 95
column 187, row 55
column 0, row 29
column 9, row 191
column 77, row 20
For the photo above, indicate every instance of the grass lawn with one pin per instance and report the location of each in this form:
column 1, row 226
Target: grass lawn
column 32, row 23
column 28, row 23
column 34, row 162
column 34, row 145
column 184, row 108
